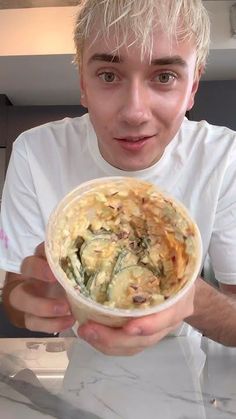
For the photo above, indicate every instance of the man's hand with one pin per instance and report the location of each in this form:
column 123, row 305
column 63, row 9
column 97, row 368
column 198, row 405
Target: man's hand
column 35, row 300
column 140, row 333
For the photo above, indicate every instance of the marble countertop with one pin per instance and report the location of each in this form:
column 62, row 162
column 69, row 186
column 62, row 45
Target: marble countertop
column 64, row 378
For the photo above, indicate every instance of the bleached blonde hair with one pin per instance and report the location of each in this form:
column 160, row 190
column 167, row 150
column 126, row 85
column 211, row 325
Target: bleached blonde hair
column 184, row 19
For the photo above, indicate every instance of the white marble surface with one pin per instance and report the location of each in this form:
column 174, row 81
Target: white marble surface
column 67, row 379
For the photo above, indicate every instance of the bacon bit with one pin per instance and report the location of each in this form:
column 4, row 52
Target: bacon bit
column 173, row 259
column 123, row 235
column 79, row 241
column 97, row 251
column 117, row 207
column 139, row 299
column 135, row 287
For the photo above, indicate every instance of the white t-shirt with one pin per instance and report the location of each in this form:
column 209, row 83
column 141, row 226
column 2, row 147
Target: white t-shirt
column 198, row 167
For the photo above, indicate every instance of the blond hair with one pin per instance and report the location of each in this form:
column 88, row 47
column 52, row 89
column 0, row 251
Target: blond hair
column 184, row 19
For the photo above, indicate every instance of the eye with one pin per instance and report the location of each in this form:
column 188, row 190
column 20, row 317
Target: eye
column 165, row 78
column 108, row 76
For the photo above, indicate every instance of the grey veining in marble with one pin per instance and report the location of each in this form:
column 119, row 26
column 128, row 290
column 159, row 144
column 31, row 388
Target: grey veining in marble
column 219, row 380
column 26, row 384
column 155, row 384
column 176, row 379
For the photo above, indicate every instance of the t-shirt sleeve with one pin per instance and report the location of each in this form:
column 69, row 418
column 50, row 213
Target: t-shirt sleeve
column 21, row 226
column 222, row 250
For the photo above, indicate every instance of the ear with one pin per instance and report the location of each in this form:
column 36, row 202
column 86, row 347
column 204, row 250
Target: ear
column 194, row 88
column 83, row 99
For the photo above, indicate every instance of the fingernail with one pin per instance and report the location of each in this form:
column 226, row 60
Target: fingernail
column 89, row 335
column 135, row 331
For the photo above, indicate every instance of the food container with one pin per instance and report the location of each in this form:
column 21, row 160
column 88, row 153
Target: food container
column 90, row 235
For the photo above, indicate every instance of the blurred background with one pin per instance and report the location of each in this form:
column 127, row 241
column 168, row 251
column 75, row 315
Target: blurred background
column 38, row 81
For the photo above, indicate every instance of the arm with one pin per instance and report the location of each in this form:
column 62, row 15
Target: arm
column 215, row 312
column 215, row 309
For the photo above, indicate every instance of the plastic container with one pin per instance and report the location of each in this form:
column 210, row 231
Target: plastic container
column 84, row 308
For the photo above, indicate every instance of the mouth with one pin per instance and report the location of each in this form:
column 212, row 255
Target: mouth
column 134, row 139
column 134, row 143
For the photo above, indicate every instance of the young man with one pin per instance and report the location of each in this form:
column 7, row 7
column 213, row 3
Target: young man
column 140, row 63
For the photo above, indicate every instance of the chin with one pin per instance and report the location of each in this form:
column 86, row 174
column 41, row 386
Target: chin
column 132, row 167
column 133, row 163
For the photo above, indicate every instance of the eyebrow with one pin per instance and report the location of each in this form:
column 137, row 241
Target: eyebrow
column 110, row 58
column 175, row 60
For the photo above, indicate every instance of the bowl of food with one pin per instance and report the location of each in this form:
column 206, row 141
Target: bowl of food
column 121, row 248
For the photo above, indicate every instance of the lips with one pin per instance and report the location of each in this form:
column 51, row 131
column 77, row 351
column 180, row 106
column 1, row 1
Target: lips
column 134, row 139
column 134, row 144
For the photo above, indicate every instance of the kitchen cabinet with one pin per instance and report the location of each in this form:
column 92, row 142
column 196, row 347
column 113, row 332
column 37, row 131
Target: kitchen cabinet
column 21, row 118
column 16, row 119
column 216, row 103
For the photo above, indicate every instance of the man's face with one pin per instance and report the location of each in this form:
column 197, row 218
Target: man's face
column 137, row 106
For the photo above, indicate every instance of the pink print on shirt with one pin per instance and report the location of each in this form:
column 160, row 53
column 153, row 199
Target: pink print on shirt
column 3, row 238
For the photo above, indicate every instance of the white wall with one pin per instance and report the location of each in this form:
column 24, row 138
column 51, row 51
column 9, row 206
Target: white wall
column 19, row 29
column 220, row 30
column 36, row 51
column 37, row 31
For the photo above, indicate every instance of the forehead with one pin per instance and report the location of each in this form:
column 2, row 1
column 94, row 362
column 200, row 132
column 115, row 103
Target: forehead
column 162, row 45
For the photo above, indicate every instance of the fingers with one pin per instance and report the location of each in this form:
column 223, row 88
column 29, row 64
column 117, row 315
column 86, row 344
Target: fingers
column 29, row 297
column 114, row 342
column 53, row 314
column 40, row 250
column 140, row 333
column 38, row 299
column 38, row 268
column 51, row 325
column 168, row 318
column 40, row 314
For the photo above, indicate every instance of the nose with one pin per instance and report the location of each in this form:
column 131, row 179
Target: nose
column 135, row 107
